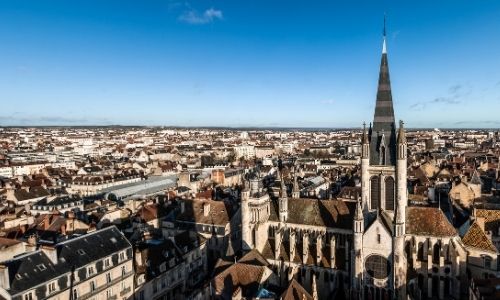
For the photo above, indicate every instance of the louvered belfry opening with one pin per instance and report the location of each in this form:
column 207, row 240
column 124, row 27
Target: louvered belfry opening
column 375, row 192
column 389, row 193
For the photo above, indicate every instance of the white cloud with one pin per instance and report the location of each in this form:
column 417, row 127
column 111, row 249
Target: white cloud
column 193, row 17
column 329, row 102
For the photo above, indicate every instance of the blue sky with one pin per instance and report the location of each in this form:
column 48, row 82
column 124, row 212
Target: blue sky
column 247, row 63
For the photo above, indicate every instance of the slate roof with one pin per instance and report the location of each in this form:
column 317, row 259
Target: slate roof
column 428, row 221
column 33, row 193
column 32, row 269
column 155, row 254
column 383, row 120
column 477, row 238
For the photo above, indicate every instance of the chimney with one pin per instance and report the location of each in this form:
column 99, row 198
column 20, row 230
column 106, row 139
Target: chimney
column 31, row 243
column 51, row 253
column 138, row 257
column 4, row 277
column 206, row 209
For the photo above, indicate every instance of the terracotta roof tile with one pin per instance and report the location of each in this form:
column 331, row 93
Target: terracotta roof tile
column 477, row 238
column 428, row 221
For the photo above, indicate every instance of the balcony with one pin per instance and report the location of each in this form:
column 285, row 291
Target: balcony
column 125, row 291
column 103, row 287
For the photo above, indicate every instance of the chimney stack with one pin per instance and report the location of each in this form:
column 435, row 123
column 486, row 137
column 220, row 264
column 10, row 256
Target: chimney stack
column 4, row 277
column 51, row 253
column 206, row 209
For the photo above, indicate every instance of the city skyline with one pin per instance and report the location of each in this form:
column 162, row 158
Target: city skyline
column 198, row 64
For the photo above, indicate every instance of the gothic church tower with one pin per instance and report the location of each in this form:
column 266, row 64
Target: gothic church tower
column 379, row 264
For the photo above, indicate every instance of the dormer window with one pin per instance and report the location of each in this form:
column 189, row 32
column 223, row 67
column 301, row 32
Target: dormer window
column 41, row 267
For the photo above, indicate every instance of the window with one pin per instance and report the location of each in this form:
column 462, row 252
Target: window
column 375, row 192
column 52, row 287
column 378, row 238
column 91, row 270
column 75, row 294
column 124, row 270
column 389, row 193
column 92, row 286
column 106, row 263
column 377, row 266
column 41, row 267
column 122, row 256
column 28, row 296
column 487, row 262
column 436, row 254
column 108, row 277
column 109, row 293
column 155, row 288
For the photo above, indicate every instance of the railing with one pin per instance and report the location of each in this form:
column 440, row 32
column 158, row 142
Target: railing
column 104, row 287
column 125, row 291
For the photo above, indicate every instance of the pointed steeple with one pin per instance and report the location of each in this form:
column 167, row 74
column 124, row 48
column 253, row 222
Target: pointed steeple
column 401, row 133
column 383, row 120
column 365, row 135
column 283, row 191
column 359, row 212
column 296, row 188
column 384, row 46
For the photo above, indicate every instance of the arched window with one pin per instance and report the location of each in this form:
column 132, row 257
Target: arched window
column 420, row 252
column 389, row 193
column 436, row 253
column 375, row 192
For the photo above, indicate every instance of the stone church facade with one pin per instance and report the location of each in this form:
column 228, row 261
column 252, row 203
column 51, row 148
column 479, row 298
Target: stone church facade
column 372, row 247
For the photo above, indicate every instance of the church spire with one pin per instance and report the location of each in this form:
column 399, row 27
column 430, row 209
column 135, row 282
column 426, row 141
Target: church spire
column 383, row 120
column 384, row 45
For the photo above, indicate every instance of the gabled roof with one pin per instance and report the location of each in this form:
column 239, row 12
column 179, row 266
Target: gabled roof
column 428, row 221
column 314, row 212
column 491, row 218
column 296, row 291
column 477, row 238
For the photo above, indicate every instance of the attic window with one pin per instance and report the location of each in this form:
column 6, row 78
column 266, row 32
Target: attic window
column 18, row 276
column 81, row 251
column 41, row 267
